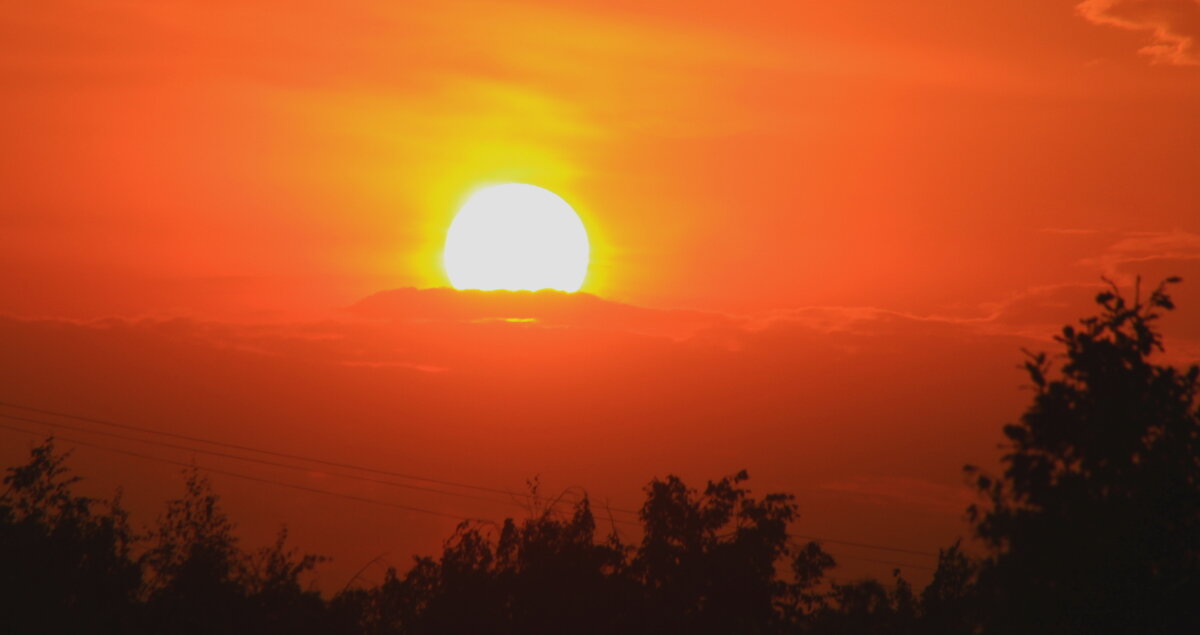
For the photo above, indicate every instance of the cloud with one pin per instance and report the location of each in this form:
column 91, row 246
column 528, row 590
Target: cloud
column 546, row 308
column 870, row 320
column 1144, row 245
column 864, row 405
column 788, row 395
column 1155, row 256
column 1143, row 249
column 1040, row 311
column 1174, row 25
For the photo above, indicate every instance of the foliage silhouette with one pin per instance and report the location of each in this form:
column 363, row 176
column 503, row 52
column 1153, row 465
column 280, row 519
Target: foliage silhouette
column 867, row 606
column 1092, row 527
column 949, row 604
column 707, row 562
column 64, row 566
column 1095, row 523
column 199, row 581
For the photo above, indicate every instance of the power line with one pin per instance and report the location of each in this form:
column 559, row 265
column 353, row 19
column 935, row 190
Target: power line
column 246, row 448
column 351, row 497
column 304, row 488
column 550, row 508
column 794, row 544
column 889, row 562
column 349, row 466
column 868, row 546
column 255, row 460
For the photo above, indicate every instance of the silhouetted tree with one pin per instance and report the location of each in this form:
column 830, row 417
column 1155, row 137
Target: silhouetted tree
column 193, row 560
column 805, row 594
column 868, row 606
column 706, row 564
column 949, row 604
column 1093, row 527
column 64, row 568
column 278, row 602
column 545, row 575
column 199, row 581
column 707, row 561
column 561, row 578
column 1095, row 522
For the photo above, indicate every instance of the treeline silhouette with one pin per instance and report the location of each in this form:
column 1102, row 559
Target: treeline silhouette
column 1093, row 526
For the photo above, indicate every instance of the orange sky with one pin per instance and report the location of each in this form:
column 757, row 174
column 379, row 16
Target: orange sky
column 822, row 231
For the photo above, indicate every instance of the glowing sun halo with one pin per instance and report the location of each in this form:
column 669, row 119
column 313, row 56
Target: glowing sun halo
column 516, row 236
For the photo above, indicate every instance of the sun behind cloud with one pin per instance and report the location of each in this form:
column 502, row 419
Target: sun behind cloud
column 516, row 237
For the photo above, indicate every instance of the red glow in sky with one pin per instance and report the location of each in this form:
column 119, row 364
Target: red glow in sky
column 820, row 232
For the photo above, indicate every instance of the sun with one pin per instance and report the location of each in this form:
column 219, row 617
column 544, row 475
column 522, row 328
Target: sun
column 517, row 237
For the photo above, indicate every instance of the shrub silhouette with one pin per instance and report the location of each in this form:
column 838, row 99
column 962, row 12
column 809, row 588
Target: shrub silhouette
column 949, row 604
column 1092, row 527
column 1095, row 522
column 192, row 562
column 867, row 606
column 200, row 581
column 706, row 564
column 64, row 566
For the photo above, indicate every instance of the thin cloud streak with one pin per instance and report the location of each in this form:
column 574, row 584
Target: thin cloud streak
column 1173, row 25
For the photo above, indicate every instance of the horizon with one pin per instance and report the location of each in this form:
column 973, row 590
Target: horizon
column 817, row 240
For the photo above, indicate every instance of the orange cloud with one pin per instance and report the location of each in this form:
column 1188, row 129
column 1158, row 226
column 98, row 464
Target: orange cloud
column 548, row 308
column 1174, row 25
column 850, row 407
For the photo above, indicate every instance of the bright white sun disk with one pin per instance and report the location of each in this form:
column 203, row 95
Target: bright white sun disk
column 516, row 236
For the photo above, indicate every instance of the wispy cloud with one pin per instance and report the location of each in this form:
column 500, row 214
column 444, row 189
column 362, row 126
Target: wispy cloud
column 1173, row 25
column 1143, row 247
column 546, row 308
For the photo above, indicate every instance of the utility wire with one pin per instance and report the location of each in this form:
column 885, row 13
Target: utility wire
column 550, row 508
column 793, row 543
column 350, row 497
column 868, row 546
column 247, row 477
column 247, row 448
column 301, row 468
column 356, row 467
column 888, row 562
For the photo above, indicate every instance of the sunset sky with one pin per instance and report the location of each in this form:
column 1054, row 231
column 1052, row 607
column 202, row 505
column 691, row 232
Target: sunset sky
column 821, row 234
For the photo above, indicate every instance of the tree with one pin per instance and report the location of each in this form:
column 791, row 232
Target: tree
column 949, row 605
column 64, row 567
column 867, row 606
column 200, row 581
column 193, row 563
column 706, row 564
column 546, row 574
column 1095, row 522
column 270, row 579
column 707, row 561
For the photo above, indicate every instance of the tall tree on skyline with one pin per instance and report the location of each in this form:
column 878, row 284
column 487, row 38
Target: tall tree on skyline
column 1095, row 522
column 1092, row 528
